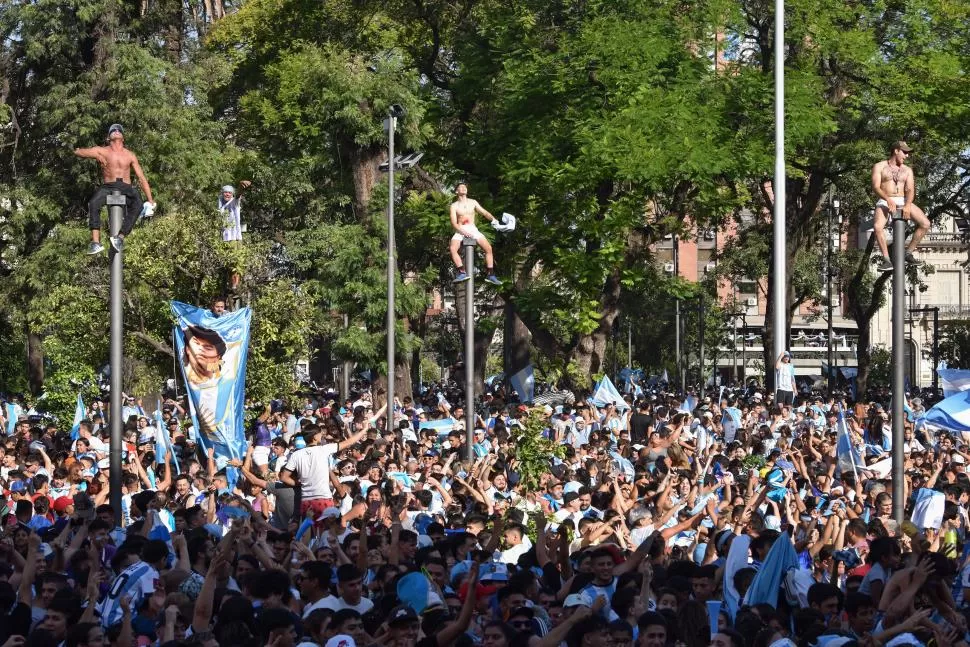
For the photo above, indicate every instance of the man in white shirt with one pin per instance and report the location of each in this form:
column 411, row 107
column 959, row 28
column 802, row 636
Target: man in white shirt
column 351, row 588
column 310, row 469
column 96, row 444
column 315, row 587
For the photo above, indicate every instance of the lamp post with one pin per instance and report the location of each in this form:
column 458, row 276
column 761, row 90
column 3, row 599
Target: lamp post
column 832, row 211
column 898, row 355
column 116, row 209
column 395, row 112
column 779, row 232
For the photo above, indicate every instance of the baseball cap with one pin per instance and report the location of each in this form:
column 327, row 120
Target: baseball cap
column 523, row 611
column 341, row 640
column 901, row 145
column 229, row 189
column 401, row 614
column 61, row 503
column 115, row 128
column 576, row 600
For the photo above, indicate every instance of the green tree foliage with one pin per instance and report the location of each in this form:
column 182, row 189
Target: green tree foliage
column 603, row 125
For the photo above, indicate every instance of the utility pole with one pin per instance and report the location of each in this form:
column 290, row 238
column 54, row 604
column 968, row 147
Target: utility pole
column 830, row 374
column 677, row 339
column 391, row 123
column 898, row 358
column 700, row 327
column 116, row 210
column 469, row 245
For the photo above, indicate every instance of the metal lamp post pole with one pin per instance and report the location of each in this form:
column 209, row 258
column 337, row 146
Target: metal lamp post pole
column 116, row 209
column 700, row 334
column 744, row 343
column 469, row 245
column 391, row 266
column 677, row 350
column 899, row 353
column 780, row 245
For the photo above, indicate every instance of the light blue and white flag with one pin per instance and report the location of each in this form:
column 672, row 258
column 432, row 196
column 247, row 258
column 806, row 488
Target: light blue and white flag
column 953, row 380
column 952, row 413
column 766, row 585
column 928, row 509
column 605, row 393
column 79, row 414
column 665, row 377
column 689, row 404
column 14, row 411
column 441, row 427
column 632, row 379
column 212, row 352
column 624, row 464
column 163, row 442
column 524, row 384
column 730, row 423
column 847, row 453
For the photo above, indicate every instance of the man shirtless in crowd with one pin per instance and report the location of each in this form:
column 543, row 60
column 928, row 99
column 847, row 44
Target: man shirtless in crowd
column 895, row 187
column 463, row 220
column 116, row 162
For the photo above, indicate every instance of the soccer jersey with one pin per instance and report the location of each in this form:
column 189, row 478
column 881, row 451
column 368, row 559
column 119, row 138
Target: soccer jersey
column 138, row 581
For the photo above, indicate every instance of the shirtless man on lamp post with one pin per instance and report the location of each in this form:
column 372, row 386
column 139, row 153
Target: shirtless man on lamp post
column 117, row 163
column 895, row 187
column 463, row 212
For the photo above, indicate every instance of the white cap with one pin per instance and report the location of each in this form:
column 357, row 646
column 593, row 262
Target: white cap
column 229, row 189
column 341, row 640
column 576, row 600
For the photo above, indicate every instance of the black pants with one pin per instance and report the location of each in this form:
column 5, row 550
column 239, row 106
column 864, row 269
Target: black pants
column 132, row 205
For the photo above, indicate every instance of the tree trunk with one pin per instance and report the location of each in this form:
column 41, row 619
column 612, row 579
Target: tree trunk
column 590, row 350
column 365, row 168
column 518, row 355
column 402, row 383
column 35, row 363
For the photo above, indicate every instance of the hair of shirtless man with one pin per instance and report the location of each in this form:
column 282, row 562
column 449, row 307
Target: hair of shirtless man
column 463, row 211
column 117, row 163
column 895, row 187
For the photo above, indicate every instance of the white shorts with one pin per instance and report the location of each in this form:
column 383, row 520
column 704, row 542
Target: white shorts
column 261, row 455
column 898, row 199
column 468, row 230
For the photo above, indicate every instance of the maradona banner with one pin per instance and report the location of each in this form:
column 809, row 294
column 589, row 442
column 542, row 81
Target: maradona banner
column 212, row 352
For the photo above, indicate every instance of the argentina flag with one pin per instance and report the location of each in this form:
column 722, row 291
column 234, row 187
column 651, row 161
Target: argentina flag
column 953, row 380
column 79, row 414
column 212, row 352
column 952, row 413
column 848, row 454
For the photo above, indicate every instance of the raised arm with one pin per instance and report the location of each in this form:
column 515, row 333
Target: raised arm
column 483, row 212
column 94, row 153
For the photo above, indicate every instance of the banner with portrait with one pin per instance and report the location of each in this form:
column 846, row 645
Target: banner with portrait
column 212, row 352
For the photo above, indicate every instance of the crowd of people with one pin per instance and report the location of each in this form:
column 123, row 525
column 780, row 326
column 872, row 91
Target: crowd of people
column 660, row 520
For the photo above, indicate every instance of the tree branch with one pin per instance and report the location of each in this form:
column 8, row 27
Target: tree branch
column 159, row 347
